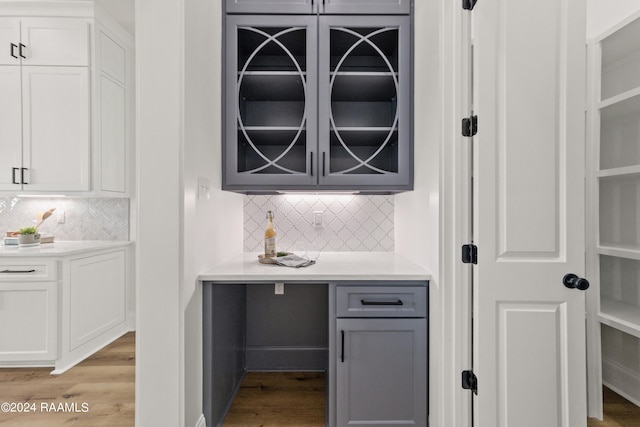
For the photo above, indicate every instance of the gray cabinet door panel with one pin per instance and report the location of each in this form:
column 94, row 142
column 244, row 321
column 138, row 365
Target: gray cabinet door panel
column 271, row 101
column 364, row 124
column 271, row 6
column 381, row 372
column 362, row 7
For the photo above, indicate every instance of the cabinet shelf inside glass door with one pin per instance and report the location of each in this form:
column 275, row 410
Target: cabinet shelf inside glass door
column 272, row 93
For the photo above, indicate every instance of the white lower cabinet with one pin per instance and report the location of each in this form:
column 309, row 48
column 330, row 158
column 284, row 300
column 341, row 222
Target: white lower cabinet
column 28, row 321
column 96, row 296
column 28, row 311
column 58, row 311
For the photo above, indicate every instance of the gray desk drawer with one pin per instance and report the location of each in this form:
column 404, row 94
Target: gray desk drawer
column 381, row 301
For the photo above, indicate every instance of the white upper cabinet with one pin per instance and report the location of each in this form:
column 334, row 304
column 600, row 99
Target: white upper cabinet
column 10, row 127
column 55, row 112
column 66, row 122
column 9, row 41
column 44, row 41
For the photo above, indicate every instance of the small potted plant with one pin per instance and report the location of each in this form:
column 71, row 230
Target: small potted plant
column 28, row 236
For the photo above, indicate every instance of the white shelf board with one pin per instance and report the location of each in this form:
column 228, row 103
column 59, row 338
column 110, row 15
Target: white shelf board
column 621, row 316
column 271, row 73
column 621, row 251
column 625, row 171
column 272, row 128
column 621, row 42
column 628, row 102
column 364, row 128
column 364, row 73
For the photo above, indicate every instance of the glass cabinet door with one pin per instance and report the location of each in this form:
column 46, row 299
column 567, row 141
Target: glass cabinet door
column 364, row 87
column 271, row 101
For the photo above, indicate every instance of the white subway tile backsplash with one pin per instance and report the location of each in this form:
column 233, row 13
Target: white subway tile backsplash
column 351, row 222
column 85, row 219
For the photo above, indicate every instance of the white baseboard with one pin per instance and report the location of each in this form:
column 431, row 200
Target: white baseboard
column 201, row 421
column 621, row 380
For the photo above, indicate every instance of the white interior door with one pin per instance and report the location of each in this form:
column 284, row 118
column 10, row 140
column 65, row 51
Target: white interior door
column 529, row 329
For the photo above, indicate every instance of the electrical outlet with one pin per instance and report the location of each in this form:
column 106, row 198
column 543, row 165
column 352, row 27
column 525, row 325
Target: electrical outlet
column 60, row 217
column 279, row 289
column 318, row 219
column 204, row 188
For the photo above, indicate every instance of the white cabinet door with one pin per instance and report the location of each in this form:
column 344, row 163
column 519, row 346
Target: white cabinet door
column 96, row 296
column 9, row 41
column 55, row 41
column 56, row 116
column 28, row 321
column 529, row 329
column 10, row 128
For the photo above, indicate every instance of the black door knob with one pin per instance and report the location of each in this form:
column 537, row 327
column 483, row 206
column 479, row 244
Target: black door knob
column 572, row 281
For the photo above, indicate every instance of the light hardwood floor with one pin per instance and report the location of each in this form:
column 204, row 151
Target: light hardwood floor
column 618, row 412
column 105, row 382
column 279, row 399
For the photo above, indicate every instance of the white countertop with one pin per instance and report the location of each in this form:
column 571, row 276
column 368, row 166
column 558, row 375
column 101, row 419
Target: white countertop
column 57, row 249
column 330, row 266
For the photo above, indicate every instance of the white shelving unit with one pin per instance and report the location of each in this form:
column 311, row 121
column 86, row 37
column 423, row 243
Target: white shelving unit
column 613, row 185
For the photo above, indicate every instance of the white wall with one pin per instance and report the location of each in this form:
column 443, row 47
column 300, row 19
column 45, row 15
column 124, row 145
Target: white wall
column 158, row 248
column 178, row 44
column 417, row 213
column 213, row 228
column 603, row 14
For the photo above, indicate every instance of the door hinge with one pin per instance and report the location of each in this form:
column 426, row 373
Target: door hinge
column 468, row 4
column 470, row 381
column 470, row 126
column 469, row 254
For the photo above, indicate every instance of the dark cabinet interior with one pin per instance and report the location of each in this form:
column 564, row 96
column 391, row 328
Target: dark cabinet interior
column 318, row 102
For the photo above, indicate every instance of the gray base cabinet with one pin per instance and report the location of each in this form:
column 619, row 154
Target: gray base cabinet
column 381, row 372
column 371, row 339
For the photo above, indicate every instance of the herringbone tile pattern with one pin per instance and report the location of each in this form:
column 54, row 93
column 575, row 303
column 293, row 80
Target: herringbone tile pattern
column 85, row 219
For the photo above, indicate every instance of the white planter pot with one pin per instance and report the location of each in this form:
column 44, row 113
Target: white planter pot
column 28, row 239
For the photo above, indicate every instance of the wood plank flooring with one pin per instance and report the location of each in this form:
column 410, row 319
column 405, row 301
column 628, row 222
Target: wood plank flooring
column 618, row 412
column 105, row 382
column 279, row 399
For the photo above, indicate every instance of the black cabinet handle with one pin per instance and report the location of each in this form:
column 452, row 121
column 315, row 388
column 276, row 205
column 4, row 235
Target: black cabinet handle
column 22, row 175
column 395, row 302
column 342, row 347
column 18, row 271
column 20, row 51
column 13, row 175
column 323, row 162
column 13, row 50
column 311, row 163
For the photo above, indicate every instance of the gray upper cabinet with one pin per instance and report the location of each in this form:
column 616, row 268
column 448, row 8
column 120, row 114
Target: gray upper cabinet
column 364, row 109
column 271, row 104
column 340, row 7
column 363, row 7
column 318, row 103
